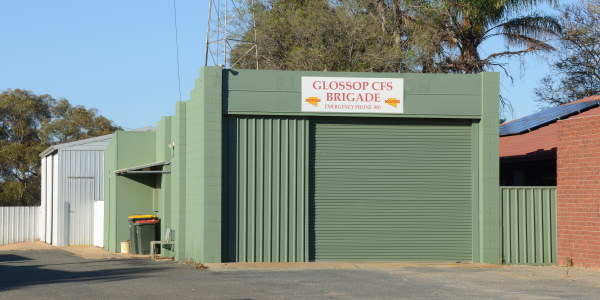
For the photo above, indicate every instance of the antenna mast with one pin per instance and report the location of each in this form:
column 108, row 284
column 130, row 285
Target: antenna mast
column 230, row 27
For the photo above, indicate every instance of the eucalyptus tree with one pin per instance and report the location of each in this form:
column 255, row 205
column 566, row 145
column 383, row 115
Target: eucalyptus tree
column 318, row 35
column 575, row 73
column 29, row 123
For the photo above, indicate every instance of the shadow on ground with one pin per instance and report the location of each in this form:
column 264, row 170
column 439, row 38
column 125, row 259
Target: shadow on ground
column 17, row 271
column 12, row 258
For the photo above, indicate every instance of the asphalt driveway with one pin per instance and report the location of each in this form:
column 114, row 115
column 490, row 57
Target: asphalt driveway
column 54, row 273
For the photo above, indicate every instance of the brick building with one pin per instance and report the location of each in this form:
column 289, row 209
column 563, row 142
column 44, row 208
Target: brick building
column 561, row 146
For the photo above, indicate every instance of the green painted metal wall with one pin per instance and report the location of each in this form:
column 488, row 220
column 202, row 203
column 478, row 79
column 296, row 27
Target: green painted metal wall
column 265, row 189
column 165, row 152
column 259, row 92
column 391, row 189
column 110, row 193
column 178, row 189
column 127, row 195
column 529, row 225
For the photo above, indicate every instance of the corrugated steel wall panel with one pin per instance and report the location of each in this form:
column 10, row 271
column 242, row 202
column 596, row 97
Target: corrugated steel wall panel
column 80, row 183
column 42, row 210
column 57, row 215
column 18, row 224
column 391, row 189
column 48, row 176
column 266, row 189
column 529, row 225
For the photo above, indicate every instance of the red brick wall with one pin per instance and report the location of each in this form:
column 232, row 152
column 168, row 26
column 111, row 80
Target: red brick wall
column 578, row 181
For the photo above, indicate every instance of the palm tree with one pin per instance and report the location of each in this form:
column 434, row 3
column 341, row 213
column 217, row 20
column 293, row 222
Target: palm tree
column 456, row 29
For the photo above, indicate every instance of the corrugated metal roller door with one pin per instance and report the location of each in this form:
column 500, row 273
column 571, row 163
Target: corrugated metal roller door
column 389, row 189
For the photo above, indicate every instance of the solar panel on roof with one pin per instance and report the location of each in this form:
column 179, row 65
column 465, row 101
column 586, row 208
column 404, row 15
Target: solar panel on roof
column 544, row 117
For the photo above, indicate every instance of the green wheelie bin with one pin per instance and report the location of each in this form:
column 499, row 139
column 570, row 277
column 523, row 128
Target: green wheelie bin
column 146, row 232
column 133, row 235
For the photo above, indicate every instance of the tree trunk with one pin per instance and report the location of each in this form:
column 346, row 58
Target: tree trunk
column 469, row 60
column 22, row 194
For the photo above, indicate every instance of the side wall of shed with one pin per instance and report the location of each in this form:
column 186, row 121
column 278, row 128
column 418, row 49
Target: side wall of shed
column 110, row 195
column 203, row 173
column 178, row 180
column 192, row 191
column 165, row 152
column 127, row 195
column 80, row 183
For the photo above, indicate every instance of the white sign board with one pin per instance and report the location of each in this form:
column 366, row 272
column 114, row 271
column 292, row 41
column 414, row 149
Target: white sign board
column 353, row 95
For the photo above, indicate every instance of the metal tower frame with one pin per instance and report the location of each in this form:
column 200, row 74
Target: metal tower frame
column 219, row 38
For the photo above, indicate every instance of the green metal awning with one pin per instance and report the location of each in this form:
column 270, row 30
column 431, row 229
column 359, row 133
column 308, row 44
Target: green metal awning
column 153, row 168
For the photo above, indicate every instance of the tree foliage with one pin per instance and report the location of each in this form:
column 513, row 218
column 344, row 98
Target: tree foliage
column 30, row 123
column 316, row 35
column 575, row 74
column 461, row 28
column 392, row 35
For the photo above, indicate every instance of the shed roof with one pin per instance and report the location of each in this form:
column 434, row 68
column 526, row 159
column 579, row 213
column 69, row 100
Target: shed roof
column 95, row 143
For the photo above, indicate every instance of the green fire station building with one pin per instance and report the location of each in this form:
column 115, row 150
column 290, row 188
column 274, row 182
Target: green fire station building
column 285, row 166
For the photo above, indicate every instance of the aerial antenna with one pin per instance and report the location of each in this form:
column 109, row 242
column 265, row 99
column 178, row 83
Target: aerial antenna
column 230, row 27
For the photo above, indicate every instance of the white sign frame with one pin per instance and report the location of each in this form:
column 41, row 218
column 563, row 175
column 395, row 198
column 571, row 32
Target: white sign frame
column 352, row 95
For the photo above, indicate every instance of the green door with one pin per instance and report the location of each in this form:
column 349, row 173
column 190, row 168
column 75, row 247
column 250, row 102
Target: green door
column 390, row 189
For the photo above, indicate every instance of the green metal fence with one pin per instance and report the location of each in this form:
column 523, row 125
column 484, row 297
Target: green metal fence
column 528, row 225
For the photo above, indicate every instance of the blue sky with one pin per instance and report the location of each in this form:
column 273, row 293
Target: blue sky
column 120, row 57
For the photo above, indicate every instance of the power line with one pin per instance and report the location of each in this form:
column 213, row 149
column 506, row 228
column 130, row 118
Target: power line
column 177, row 48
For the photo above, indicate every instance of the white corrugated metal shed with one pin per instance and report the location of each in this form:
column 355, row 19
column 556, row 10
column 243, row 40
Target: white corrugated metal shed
column 72, row 210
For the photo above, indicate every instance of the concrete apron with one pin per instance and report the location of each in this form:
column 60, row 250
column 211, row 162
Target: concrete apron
column 343, row 265
column 87, row 252
column 92, row 252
